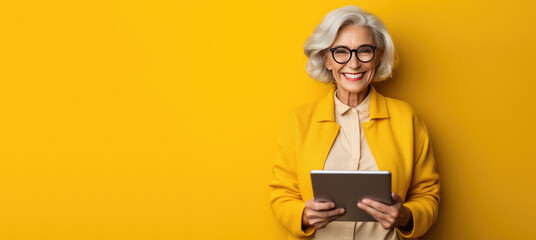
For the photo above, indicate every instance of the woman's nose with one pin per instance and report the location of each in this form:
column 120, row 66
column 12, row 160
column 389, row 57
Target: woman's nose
column 353, row 63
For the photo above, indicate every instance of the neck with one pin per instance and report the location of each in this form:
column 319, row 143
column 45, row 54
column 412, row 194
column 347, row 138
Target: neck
column 352, row 99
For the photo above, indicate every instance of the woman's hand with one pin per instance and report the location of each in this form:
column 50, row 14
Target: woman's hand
column 395, row 215
column 319, row 214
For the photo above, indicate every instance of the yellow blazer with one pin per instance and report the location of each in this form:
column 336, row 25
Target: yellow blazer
column 399, row 143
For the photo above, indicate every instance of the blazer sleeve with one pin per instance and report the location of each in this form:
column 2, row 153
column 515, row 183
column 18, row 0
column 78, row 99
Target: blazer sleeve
column 423, row 194
column 285, row 198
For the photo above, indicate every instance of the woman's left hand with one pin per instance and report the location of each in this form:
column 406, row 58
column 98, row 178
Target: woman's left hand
column 389, row 216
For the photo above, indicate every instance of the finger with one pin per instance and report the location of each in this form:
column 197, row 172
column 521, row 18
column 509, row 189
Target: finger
column 323, row 223
column 341, row 213
column 372, row 212
column 395, row 198
column 318, row 206
column 378, row 206
column 327, row 213
column 387, row 220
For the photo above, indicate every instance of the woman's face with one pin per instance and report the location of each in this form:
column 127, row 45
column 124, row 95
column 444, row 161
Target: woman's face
column 353, row 76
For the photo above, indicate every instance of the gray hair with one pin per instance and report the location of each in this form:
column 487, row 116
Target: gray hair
column 325, row 33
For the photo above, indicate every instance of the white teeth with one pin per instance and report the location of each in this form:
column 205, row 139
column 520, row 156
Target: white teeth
column 349, row 75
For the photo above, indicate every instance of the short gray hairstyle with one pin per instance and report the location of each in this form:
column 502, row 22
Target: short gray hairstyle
column 325, row 33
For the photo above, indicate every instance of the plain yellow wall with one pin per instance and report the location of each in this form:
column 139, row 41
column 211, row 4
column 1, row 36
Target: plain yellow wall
column 159, row 119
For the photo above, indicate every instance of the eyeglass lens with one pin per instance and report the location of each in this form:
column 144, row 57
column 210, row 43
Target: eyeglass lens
column 343, row 55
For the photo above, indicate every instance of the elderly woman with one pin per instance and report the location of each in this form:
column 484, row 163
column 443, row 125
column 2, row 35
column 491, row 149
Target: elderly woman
column 354, row 128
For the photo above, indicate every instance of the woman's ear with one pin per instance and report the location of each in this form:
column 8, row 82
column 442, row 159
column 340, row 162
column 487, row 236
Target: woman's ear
column 327, row 63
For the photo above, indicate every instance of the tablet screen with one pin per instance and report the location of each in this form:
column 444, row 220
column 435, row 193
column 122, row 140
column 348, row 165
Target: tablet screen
column 347, row 188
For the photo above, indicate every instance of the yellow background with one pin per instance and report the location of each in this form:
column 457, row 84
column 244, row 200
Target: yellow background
column 159, row 119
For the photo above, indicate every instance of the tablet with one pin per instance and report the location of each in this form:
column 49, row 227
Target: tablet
column 347, row 188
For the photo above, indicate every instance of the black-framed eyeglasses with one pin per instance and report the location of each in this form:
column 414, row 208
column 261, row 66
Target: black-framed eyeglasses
column 364, row 53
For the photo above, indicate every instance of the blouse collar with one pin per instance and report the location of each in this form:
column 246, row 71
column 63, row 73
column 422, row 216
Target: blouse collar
column 363, row 108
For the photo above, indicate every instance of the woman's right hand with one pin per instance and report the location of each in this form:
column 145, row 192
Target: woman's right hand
column 319, row 214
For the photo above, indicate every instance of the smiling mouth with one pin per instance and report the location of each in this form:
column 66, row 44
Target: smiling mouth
column 354, row 76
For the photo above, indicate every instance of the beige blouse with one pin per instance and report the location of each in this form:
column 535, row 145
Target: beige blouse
column 350, row 151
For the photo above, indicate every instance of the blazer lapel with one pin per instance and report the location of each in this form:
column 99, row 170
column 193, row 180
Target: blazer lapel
column 324, row 130
column 320, row 137
column 380, row 138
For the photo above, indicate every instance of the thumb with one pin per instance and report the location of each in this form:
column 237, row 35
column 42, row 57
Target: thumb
column 395, row 198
